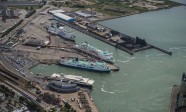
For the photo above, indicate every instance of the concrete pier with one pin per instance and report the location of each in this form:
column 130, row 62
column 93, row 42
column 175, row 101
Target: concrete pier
column 162, row 50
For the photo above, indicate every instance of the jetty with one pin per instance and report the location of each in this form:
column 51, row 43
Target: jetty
column 162, row 50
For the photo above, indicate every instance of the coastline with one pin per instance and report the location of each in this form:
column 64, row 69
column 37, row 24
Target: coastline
column 116, row 17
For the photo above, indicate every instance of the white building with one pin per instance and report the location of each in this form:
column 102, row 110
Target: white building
column 64, row 17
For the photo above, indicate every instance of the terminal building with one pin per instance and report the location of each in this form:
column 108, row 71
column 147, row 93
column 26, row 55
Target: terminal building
column 63, row 87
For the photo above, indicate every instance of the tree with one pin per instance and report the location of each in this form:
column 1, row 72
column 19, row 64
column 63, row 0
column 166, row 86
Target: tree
column 68, row 106
column 26, row 8
column 22, row 99
column 53, row 109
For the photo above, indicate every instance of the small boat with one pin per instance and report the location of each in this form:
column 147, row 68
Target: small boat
column 86, row 65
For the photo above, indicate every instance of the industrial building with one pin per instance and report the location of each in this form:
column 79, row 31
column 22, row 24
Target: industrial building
column 64, row 17
column 85, row 14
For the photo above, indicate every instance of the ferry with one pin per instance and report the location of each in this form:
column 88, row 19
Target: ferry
column 61, row 33
column 73, row 79
column 86, row 65
column 103, row 54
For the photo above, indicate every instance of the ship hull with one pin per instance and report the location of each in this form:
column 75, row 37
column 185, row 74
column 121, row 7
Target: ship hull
column 87, row 69
column 69, row 39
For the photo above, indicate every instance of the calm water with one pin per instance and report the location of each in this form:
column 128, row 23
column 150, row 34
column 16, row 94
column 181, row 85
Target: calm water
column 180, row 1
column 145, row 80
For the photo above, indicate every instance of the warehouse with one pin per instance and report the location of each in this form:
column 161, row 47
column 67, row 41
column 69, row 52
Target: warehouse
column 64, row 17
column 85, row 14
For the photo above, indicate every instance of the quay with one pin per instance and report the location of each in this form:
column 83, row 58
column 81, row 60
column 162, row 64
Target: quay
column 117, row 45
column 94, row 35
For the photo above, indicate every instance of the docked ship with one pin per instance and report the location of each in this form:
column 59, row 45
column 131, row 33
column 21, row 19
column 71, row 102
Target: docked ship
column 102, row 54
column 73, row 79
column 86, row 65
column 61, row 33
column 63, row 87
column 66, row 35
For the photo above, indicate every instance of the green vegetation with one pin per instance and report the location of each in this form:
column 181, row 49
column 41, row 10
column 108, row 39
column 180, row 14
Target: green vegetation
column 7, row 91
column 118, row 7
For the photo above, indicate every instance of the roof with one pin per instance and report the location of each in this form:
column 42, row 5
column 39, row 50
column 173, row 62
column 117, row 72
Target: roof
column 57, row 11
column 63, row 16
column 9, row 13
column 84, row 14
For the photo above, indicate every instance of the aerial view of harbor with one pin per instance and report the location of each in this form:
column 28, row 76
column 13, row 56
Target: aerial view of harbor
column 92, row 55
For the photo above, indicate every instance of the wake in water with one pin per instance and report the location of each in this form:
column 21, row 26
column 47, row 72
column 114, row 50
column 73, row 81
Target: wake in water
column 156, row 61
column 114, row 91
column 105, row 90
column 177, row 48
column 128, row 59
